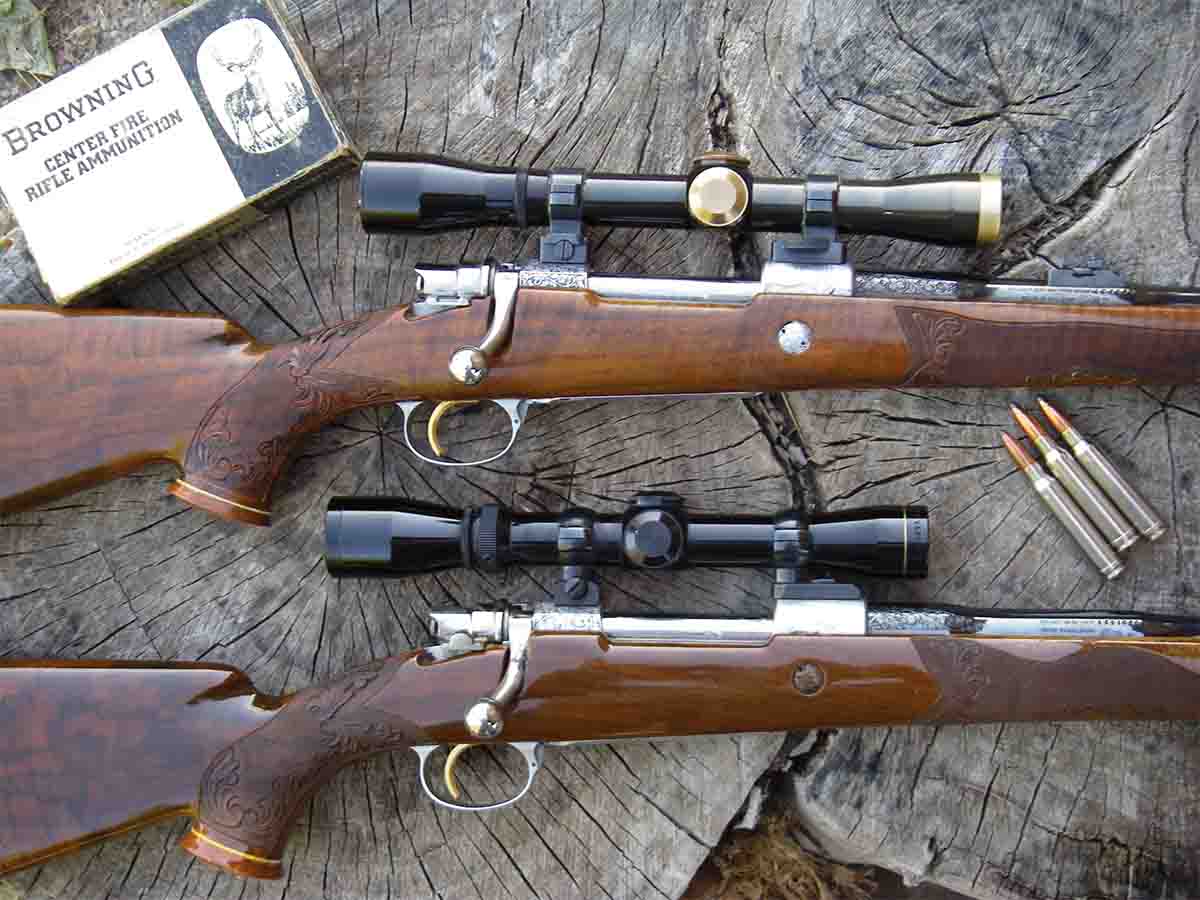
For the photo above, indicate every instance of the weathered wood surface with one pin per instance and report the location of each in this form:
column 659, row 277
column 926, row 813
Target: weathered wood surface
column 1089, row 110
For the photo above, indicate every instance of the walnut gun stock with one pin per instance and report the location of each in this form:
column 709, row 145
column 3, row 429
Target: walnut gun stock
column 89, row 395
column 89, row 750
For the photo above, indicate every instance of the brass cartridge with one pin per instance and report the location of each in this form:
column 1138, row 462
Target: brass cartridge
column 1060, row 504
column 1129, row 501
column 1085, row 492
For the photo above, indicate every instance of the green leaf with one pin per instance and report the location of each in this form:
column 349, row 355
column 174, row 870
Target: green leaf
column 24, row 45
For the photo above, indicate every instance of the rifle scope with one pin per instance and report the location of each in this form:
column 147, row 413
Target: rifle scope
column 387, row 536
column 409, row 192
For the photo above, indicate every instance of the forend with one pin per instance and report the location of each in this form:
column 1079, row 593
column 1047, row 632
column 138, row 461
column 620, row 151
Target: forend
column 420, row 193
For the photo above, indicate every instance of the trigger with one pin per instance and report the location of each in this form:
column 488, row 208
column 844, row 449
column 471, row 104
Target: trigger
column 432, row 428
column 448, row 770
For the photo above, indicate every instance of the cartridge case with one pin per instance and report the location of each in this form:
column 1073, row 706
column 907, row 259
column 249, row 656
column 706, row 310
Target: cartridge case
column 1063, row 508
column 1129, row 501
column 1108, row 520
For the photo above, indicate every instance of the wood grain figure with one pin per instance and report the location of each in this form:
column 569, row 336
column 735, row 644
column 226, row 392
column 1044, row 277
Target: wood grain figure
column 165, row 740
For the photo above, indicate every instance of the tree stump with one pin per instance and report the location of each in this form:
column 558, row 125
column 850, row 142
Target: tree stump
column 1089, row 111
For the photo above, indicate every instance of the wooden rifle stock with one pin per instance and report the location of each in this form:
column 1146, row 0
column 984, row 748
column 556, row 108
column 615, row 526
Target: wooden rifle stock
column 93, row 394
column 89, row 750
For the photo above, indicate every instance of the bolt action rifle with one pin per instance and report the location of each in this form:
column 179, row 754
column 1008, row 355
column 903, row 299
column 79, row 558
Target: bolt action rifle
column 88, row 395
column 90, row 749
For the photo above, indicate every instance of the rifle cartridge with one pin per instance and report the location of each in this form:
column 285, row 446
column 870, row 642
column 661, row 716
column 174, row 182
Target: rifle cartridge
column 1131, row 503
column 1063, row 508
column 1070, row 474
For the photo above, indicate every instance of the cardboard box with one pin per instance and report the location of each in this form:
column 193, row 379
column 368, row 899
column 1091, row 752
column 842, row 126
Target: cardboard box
column 164, row 144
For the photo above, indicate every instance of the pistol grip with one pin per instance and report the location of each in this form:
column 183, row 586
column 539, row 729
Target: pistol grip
column 247, row 437
column 253, row 790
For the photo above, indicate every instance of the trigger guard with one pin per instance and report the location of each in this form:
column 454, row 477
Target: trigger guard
column 531, row 751
column 515, row 409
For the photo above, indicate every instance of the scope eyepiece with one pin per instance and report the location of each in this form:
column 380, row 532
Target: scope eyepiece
column 408, row 192
column 389, row 537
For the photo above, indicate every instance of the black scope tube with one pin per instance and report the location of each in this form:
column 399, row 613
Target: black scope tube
column 390, row 537
column 408, row 192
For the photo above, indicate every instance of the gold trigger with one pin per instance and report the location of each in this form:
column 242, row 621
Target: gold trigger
column 451, row 759
column 431, row 433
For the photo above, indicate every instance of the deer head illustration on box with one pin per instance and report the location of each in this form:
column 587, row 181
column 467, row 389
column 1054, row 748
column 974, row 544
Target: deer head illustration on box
column 253, row 86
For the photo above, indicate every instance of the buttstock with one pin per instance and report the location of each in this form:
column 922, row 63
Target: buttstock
column 89, row 750
column 90, row 395
column 93, row 394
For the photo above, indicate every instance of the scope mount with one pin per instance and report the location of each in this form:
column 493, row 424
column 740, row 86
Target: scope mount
column 564, row 243
column 425, row 194
column 654, row 537
column 718, row 196
column 819, row 243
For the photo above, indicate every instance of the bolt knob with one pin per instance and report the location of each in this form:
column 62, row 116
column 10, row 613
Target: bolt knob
column 468, row 365
column 484, row 719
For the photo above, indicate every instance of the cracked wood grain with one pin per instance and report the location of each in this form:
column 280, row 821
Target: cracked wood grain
column 1016, row 810
column 1088, row 109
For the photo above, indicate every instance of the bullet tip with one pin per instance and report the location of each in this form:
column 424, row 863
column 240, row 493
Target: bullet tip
column 1016, row 451
column 1056, row 418
column 1028, row 425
